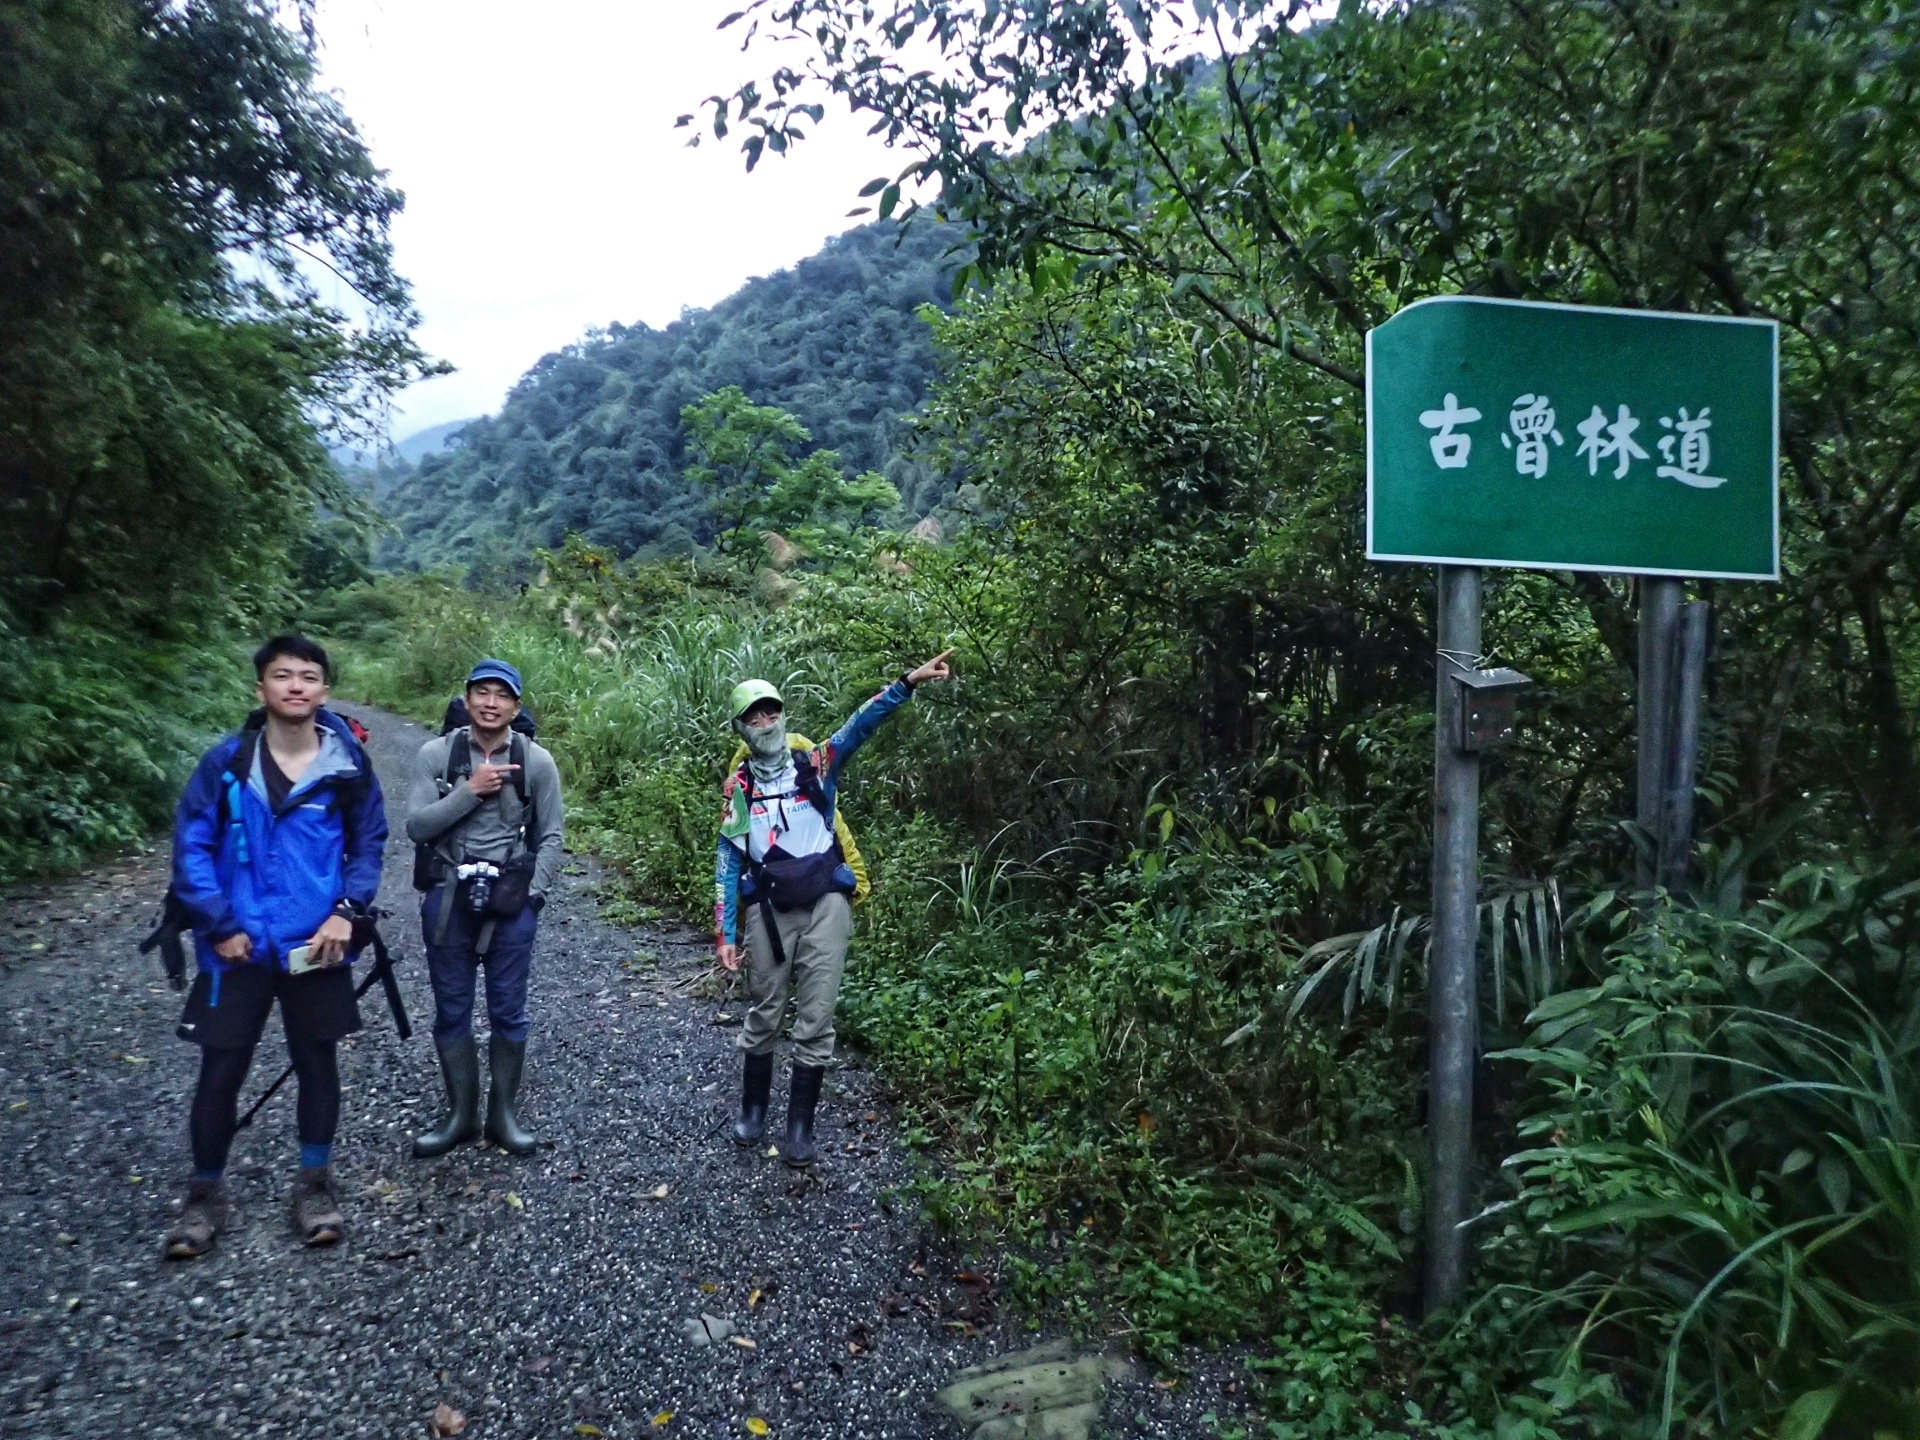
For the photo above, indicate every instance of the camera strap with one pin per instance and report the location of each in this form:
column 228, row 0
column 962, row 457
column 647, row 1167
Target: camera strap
column 449, row 893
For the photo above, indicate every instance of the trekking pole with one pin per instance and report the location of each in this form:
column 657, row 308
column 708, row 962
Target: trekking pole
column 381, row 973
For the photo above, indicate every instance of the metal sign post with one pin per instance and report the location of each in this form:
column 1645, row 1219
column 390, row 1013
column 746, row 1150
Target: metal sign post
column 1452, row 983
column 1558, row 437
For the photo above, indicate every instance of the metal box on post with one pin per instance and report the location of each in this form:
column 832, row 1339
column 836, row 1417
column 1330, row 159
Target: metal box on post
column 1487, row 708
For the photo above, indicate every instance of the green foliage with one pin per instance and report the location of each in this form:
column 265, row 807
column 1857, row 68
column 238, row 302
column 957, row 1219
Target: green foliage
column 164, row 359
column 590, row 440
column 1731, row 158
column 1177, row 806
column 743, row 453
column 97, row 735
column 1725, row 1148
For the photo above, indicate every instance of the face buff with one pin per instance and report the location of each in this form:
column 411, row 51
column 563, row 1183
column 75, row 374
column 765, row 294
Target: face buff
column 766, row 747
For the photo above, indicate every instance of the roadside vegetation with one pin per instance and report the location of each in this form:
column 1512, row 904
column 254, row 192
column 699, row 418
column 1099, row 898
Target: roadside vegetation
column 1147, row 944
column 170, row 179
column 1146, row 952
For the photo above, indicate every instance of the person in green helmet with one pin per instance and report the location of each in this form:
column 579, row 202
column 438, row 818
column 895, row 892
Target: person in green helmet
column 781, row 877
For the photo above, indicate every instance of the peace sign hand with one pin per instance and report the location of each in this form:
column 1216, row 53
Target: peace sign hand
column 935, row 669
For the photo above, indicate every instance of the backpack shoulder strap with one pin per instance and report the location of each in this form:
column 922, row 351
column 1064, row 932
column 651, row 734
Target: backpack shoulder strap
column 233, row 779
column 808, row 774
column 517, row 757
column 459, row 755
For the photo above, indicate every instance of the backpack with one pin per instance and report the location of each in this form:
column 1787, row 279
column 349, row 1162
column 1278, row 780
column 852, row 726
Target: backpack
column 426, row 864
column 810, row 782
column 457, row 716
column 174, row 919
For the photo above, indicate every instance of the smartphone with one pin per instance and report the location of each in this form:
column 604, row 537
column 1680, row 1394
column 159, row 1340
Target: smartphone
column 299, row 960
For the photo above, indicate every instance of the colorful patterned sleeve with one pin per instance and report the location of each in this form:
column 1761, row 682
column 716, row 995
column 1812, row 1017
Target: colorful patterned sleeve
column 729, row 860
column 859, row 729
column 726, row 893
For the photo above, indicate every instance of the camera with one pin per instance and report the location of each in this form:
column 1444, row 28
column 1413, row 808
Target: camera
column 478, row 877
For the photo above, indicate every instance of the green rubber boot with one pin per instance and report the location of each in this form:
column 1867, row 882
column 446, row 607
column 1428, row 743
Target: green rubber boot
column 505, row 1059
column 460, row 1066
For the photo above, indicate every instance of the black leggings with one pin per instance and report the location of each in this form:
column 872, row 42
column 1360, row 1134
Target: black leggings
column 216, row 1101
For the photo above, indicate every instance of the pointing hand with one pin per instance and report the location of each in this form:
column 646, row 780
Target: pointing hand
column 935, row 669
column 487, row 779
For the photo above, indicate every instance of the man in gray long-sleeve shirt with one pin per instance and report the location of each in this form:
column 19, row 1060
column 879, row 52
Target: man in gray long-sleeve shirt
column 485, row 807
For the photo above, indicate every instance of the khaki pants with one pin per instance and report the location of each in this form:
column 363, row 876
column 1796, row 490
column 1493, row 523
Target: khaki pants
column 815, row 941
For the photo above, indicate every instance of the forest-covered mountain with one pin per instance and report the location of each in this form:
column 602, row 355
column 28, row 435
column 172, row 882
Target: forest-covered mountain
column 590, row 439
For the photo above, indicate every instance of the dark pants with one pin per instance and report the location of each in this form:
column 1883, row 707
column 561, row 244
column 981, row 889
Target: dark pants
column 216, row 1099
column 317, row 1010
column 453, row 961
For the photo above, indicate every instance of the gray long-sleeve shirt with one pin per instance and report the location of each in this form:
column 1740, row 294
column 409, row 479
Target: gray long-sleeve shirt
column 460, row 824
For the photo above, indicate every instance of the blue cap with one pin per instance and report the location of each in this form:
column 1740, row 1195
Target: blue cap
column 495, row 670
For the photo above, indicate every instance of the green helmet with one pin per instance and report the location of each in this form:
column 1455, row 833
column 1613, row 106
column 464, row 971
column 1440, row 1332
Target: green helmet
column 749, row 693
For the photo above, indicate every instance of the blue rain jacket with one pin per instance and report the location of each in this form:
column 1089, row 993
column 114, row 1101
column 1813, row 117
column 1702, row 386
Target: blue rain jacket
column 277, row 876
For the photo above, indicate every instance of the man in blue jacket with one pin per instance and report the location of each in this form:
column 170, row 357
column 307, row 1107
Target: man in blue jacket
column 276, row 851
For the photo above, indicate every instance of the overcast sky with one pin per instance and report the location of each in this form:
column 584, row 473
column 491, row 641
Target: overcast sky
column 547, row 189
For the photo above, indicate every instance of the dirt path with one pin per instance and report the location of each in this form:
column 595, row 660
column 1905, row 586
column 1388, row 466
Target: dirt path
column 540, row 1297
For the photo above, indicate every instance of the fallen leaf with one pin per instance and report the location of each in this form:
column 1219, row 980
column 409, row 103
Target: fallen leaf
column 754, row 1299
column 746, row 1344
column 514, row 1202
column 662, row 1418
column 1165, row 1384
column 707, row 1287
column 136, row 1179
column 757, row 1426
column 773, row 1152
column 659, row 1192
column 18, row 1105
column 446, row 1420
column 585, row 1429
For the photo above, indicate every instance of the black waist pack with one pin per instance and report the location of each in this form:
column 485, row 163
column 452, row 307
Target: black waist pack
column 512, row 890
column 791, row 882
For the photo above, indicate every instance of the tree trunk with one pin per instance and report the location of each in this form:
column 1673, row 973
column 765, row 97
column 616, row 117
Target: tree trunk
column 1896, row 797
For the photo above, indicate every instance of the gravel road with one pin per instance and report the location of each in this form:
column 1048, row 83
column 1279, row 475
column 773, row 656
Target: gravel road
column 538, row 1297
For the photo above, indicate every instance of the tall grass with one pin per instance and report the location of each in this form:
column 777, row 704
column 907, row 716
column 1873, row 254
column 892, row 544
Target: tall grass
column 1725, row 1160
column 97, row 735
column 636, row 717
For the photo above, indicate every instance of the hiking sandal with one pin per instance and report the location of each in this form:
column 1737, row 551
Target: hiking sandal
column 203, row 1214
column 316, row 1213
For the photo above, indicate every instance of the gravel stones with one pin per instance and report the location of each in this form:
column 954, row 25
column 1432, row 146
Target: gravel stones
column 532, row 1297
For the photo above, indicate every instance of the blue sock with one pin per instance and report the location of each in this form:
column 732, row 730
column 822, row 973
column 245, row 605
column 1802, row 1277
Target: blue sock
column 213, row 1175
column 315, row 1157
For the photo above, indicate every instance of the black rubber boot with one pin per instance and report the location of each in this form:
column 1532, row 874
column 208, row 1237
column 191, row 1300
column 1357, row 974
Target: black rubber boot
column 460, row 1066
column 803, row 1094
column 504, row 1060
column 755, row 1086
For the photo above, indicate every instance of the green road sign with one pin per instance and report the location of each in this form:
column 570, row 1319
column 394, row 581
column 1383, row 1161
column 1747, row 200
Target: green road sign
column 1570, row 437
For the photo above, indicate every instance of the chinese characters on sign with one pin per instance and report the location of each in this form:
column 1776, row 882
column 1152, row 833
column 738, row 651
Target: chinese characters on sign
column 1530, row 425
column 1573, row 437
